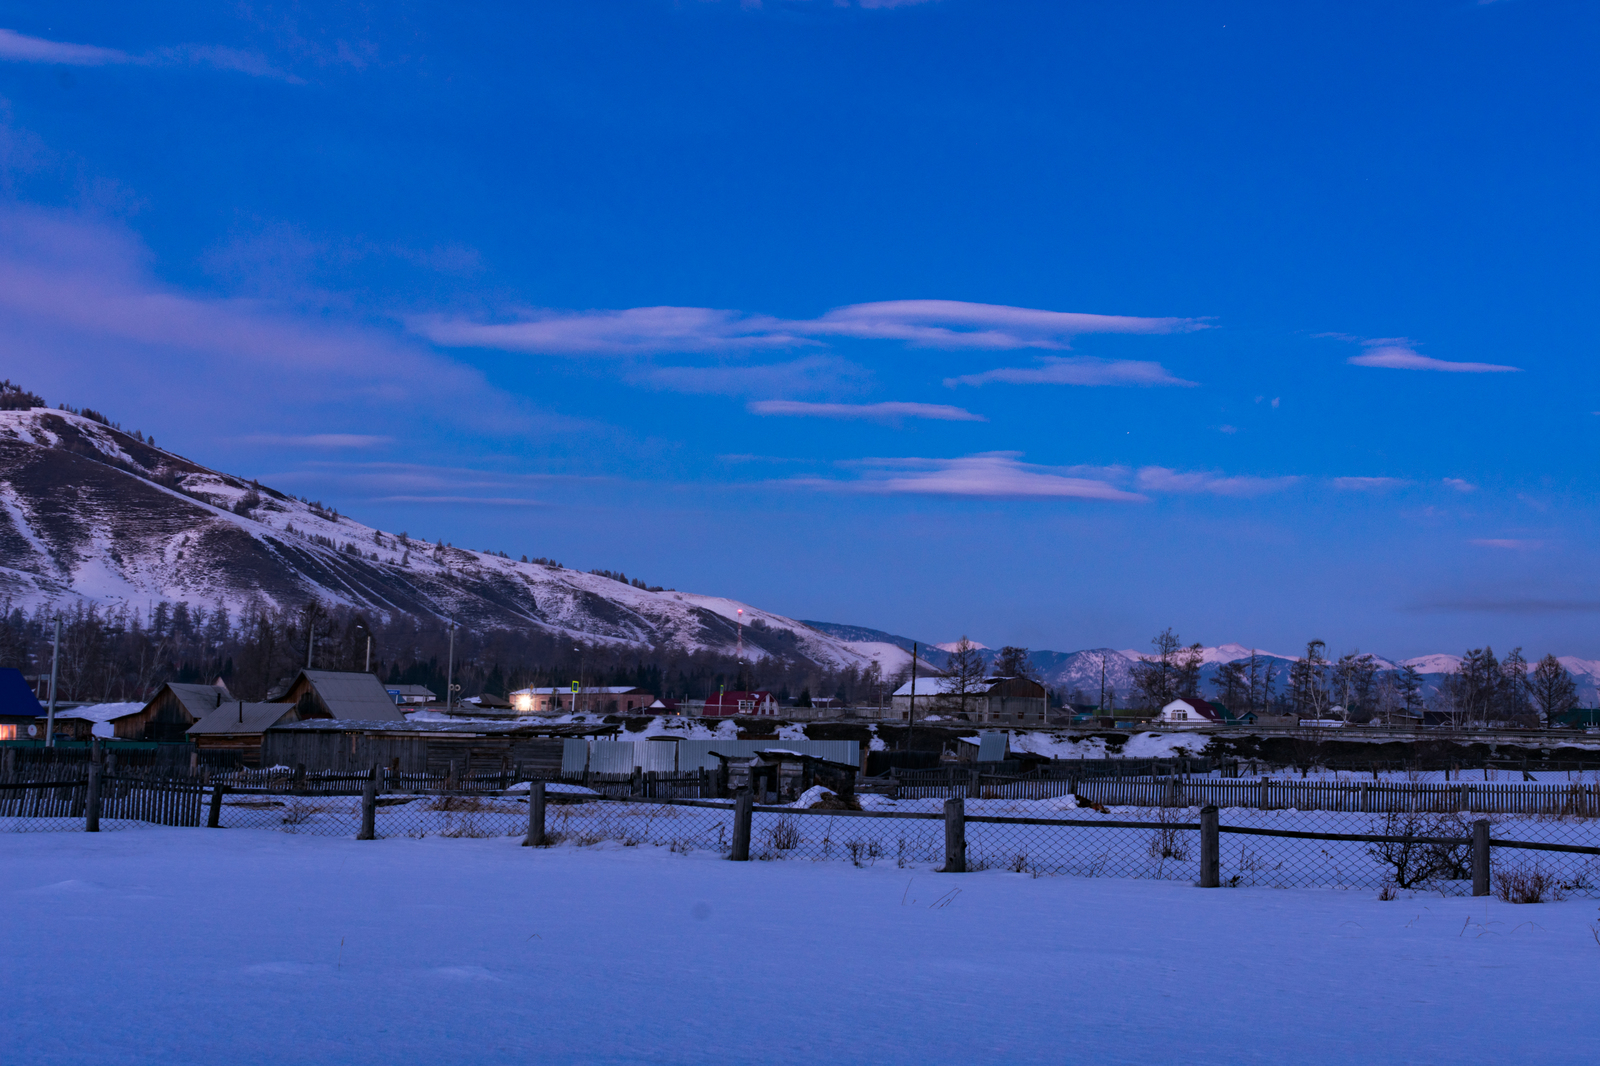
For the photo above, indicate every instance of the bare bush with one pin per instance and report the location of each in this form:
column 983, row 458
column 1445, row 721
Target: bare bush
column 1416, row 856
column 298, row 812
column 1388, row 891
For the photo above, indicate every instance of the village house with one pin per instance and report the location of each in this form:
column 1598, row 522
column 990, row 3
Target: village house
column 1008, row 700
column 1189, row 711
column 410, row 695
column 726, row 704
column 168, row 714
column 19, row 707
column 590, row 699
column 349, row 696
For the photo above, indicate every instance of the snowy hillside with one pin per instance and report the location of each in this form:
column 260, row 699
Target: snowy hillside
column 88, row 512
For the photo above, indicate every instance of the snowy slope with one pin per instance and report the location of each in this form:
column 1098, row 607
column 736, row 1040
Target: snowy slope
column 90, row 513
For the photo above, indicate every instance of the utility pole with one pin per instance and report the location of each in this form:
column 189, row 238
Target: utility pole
column 911, row 703
column 1102, row 681
column 55, row 663
column 369, row 653
column 450, row 671
column 311, row 636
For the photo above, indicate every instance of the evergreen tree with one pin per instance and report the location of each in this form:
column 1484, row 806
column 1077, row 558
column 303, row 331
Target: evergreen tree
column 1013, row 662
column 1233, row 685
column 1186, row 675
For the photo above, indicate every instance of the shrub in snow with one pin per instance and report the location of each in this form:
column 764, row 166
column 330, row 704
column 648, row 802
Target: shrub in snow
column 1525, row 884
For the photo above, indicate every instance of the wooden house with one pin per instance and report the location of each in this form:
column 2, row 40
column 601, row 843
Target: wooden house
column 348, row 696
column 171, row 711
column 1189, row 711
column 19, row 707
column 998, row 700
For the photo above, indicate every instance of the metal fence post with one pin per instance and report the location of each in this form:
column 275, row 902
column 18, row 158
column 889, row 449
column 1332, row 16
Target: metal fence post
column 1210, row 848
column 369, row 807
column 214, row 818
column 91, row 813
column 1480, row 857
column 742, row 812
column 955, row 835
column 535, row 815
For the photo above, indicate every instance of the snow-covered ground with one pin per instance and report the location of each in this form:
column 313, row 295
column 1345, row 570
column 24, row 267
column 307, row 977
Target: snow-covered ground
column 182, row 946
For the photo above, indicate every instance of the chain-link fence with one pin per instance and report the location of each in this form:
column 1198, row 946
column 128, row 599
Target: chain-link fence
column 1394, row 851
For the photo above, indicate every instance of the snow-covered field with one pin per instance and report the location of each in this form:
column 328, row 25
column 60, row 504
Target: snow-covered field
column 180, row 946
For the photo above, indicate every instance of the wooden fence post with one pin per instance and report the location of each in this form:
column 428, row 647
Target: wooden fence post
column 1210, row 849
column 742, row 814
column 955, row 835
column 214, row 818
column 1480, row 857
column 636, row 782
column 369, row 807
column 91, row 813
column 535, row 837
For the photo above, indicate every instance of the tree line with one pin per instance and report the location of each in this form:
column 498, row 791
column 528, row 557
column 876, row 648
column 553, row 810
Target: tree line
column 1357, row 687
column 113, row 654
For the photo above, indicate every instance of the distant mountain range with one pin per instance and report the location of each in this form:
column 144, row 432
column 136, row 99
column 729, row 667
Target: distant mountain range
column 1081, row 670
column 90, row 513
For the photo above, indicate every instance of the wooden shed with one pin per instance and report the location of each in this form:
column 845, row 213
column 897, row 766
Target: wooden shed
column 239, row 726
column 411, row 747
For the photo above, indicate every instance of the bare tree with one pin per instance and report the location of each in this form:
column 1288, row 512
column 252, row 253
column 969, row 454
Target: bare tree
column 964, row 669
column 1552, row 688
column 1153, row 675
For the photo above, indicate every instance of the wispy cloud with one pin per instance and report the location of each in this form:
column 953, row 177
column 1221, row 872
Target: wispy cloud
column 490, row 501
column 1508, row 545
column 815, row 374
column 1458, row 484
column 993, row 475
column 1398, row 353
column 1162, row 479
column 882, row 412
column 1076, row 370
column 19, row 48
column 1369, row 484
column 950, row 324
column 317, row 440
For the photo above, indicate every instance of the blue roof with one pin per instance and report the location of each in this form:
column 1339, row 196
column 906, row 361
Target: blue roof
column 15, row 695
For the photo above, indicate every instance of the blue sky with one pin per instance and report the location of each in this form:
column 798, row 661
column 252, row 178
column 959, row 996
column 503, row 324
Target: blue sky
column 1049, row 323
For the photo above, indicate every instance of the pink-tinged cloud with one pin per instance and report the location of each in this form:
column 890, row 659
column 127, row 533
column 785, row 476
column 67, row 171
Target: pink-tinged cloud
column 1077, row 370
column 1163, row 479
column 883, row 412
column 812, row 374
column 1399, row 355
column 995, row 475
column 21, row 49
column 1508, row 544
column 317, row 440
column 950, row 324
column 1458, row 484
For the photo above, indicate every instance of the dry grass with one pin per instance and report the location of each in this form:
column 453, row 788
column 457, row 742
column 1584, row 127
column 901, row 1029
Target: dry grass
column 1525, row 884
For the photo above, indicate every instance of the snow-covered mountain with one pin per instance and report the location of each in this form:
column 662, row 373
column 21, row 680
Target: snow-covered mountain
column 88, row 512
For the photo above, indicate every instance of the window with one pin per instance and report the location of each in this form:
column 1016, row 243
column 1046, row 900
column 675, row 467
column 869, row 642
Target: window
column 8, row 732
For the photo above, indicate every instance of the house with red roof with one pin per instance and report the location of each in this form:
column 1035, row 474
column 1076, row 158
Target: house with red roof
column 1189, row 711
column 725, row 704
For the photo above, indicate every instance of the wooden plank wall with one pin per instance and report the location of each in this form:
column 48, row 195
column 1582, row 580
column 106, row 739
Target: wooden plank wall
column 433, row 753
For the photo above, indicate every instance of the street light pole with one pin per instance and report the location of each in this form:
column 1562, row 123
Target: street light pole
column 450, row 671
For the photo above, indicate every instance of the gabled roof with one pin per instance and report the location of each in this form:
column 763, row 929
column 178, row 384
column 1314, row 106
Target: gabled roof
column 412, row 690
column 940, row 686
column 352, row 695
column 238, row 717
column 588, row 690
column 731, row 699
column 198, row 700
